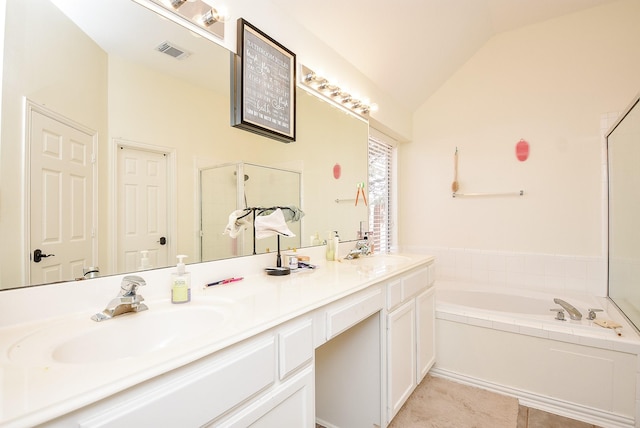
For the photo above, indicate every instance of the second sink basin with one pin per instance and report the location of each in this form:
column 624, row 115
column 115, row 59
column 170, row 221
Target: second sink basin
column 84, row 341
column 380, row 260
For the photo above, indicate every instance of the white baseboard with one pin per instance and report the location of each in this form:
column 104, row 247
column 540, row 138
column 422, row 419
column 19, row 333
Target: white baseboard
column 559, row 407
column 325, row 424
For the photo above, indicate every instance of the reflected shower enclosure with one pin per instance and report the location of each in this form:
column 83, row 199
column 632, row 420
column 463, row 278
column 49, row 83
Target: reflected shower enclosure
column 229, row 187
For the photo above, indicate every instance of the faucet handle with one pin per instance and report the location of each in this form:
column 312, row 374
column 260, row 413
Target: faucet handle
column 559, row 313
column 130, row 285
column 592, row 313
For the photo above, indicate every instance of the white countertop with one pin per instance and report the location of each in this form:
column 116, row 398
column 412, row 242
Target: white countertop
column 38, row 388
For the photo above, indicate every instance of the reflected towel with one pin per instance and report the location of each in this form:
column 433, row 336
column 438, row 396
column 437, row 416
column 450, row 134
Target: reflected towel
column 237, row 224
column 272, row 224
column 290, row 213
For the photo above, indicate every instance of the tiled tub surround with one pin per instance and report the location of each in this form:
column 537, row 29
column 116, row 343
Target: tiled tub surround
column 556, row 272
column 505, row 339
column 36, row 391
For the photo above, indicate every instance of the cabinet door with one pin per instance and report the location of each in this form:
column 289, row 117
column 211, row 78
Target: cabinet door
column 401, row 356
column 425, row 326
column 291, row 405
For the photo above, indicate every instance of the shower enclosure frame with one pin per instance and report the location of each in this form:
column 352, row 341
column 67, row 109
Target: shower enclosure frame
column 219, row 197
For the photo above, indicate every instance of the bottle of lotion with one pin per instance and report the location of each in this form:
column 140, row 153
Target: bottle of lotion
column 330, row 249
column 180, row 283
column 336, row 245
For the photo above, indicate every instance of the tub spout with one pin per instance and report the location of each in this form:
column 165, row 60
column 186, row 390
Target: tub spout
column 574, row 314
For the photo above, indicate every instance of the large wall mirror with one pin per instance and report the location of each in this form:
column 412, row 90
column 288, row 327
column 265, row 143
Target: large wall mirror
column 623, row 144
column 85, row 83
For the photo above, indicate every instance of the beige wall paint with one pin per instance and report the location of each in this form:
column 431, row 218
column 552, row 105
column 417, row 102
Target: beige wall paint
column 60, row 87
column 547, row 83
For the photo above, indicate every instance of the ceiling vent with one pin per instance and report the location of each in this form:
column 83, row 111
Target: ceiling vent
column 172, row 50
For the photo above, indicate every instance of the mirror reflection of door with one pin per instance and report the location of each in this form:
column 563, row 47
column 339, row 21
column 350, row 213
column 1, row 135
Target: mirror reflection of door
column 142, row 208
column 61, row 203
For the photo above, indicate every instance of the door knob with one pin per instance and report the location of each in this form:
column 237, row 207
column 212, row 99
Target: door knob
column 162, row 240
column 38, row 255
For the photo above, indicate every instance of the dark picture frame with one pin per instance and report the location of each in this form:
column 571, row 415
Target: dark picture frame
column 263, row 85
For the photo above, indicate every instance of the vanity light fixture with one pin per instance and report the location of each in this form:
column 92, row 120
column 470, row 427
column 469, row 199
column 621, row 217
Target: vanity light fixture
column 320, row 86
column 198, row 16
column 210, row 17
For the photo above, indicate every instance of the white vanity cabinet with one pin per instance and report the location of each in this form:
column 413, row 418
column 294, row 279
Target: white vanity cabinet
column 410, row 335
column 344, row 348
column 258, row 381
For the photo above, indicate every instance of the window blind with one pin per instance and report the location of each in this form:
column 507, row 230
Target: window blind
column 380, row 163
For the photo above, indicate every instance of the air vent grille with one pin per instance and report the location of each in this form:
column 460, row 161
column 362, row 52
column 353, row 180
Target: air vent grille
column 172, row 50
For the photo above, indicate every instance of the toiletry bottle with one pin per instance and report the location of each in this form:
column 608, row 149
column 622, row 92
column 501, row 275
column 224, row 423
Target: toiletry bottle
column 336, row 245
column 180, row 283
column 369, row 242
column 316, row 239
column 144, row 260
column 293, row 260
column 329, row 251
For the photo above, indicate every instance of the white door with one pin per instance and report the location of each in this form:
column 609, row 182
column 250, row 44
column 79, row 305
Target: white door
column 142, row 208
column 61, row 202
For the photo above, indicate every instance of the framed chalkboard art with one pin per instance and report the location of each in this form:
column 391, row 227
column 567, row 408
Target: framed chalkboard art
column 263, row 79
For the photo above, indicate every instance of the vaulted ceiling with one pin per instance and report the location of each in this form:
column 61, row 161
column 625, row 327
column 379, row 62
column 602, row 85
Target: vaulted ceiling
column 409, row 48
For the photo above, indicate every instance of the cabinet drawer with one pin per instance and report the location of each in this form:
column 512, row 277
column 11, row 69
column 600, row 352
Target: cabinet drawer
column 296, row 348
column 354, row 311
column 199, row 396
column 412, row 284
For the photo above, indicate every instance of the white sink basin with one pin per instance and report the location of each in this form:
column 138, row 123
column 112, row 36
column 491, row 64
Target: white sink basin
column 80, row 340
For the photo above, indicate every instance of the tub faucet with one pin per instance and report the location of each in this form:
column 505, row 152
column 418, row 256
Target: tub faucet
column 574, row 314
column 128, row 300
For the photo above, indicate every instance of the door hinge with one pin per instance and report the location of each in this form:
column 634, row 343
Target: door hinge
column 93, row 158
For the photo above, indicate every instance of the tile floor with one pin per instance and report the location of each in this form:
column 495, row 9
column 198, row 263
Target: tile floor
column 441, row 403
column 534, row 418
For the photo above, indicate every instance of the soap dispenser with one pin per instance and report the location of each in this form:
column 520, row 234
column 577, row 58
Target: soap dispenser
column 144, row 260
column 180, row 283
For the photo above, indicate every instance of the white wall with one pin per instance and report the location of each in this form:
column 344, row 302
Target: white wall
column 548, row 83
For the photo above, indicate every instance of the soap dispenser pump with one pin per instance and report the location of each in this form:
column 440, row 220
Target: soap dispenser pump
column 180, row 283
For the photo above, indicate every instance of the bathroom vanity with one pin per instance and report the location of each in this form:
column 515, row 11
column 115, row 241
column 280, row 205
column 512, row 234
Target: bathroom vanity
column 344, row 344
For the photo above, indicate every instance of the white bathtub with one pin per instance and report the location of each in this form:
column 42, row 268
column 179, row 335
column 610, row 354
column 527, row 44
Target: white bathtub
column 528, row 308
column 508, row 340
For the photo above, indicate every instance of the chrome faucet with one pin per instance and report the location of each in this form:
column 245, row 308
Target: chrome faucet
column 128, row 300
column 362, row 248
column 574, row 314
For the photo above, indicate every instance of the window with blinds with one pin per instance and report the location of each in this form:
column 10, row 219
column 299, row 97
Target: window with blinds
column 380, row 161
